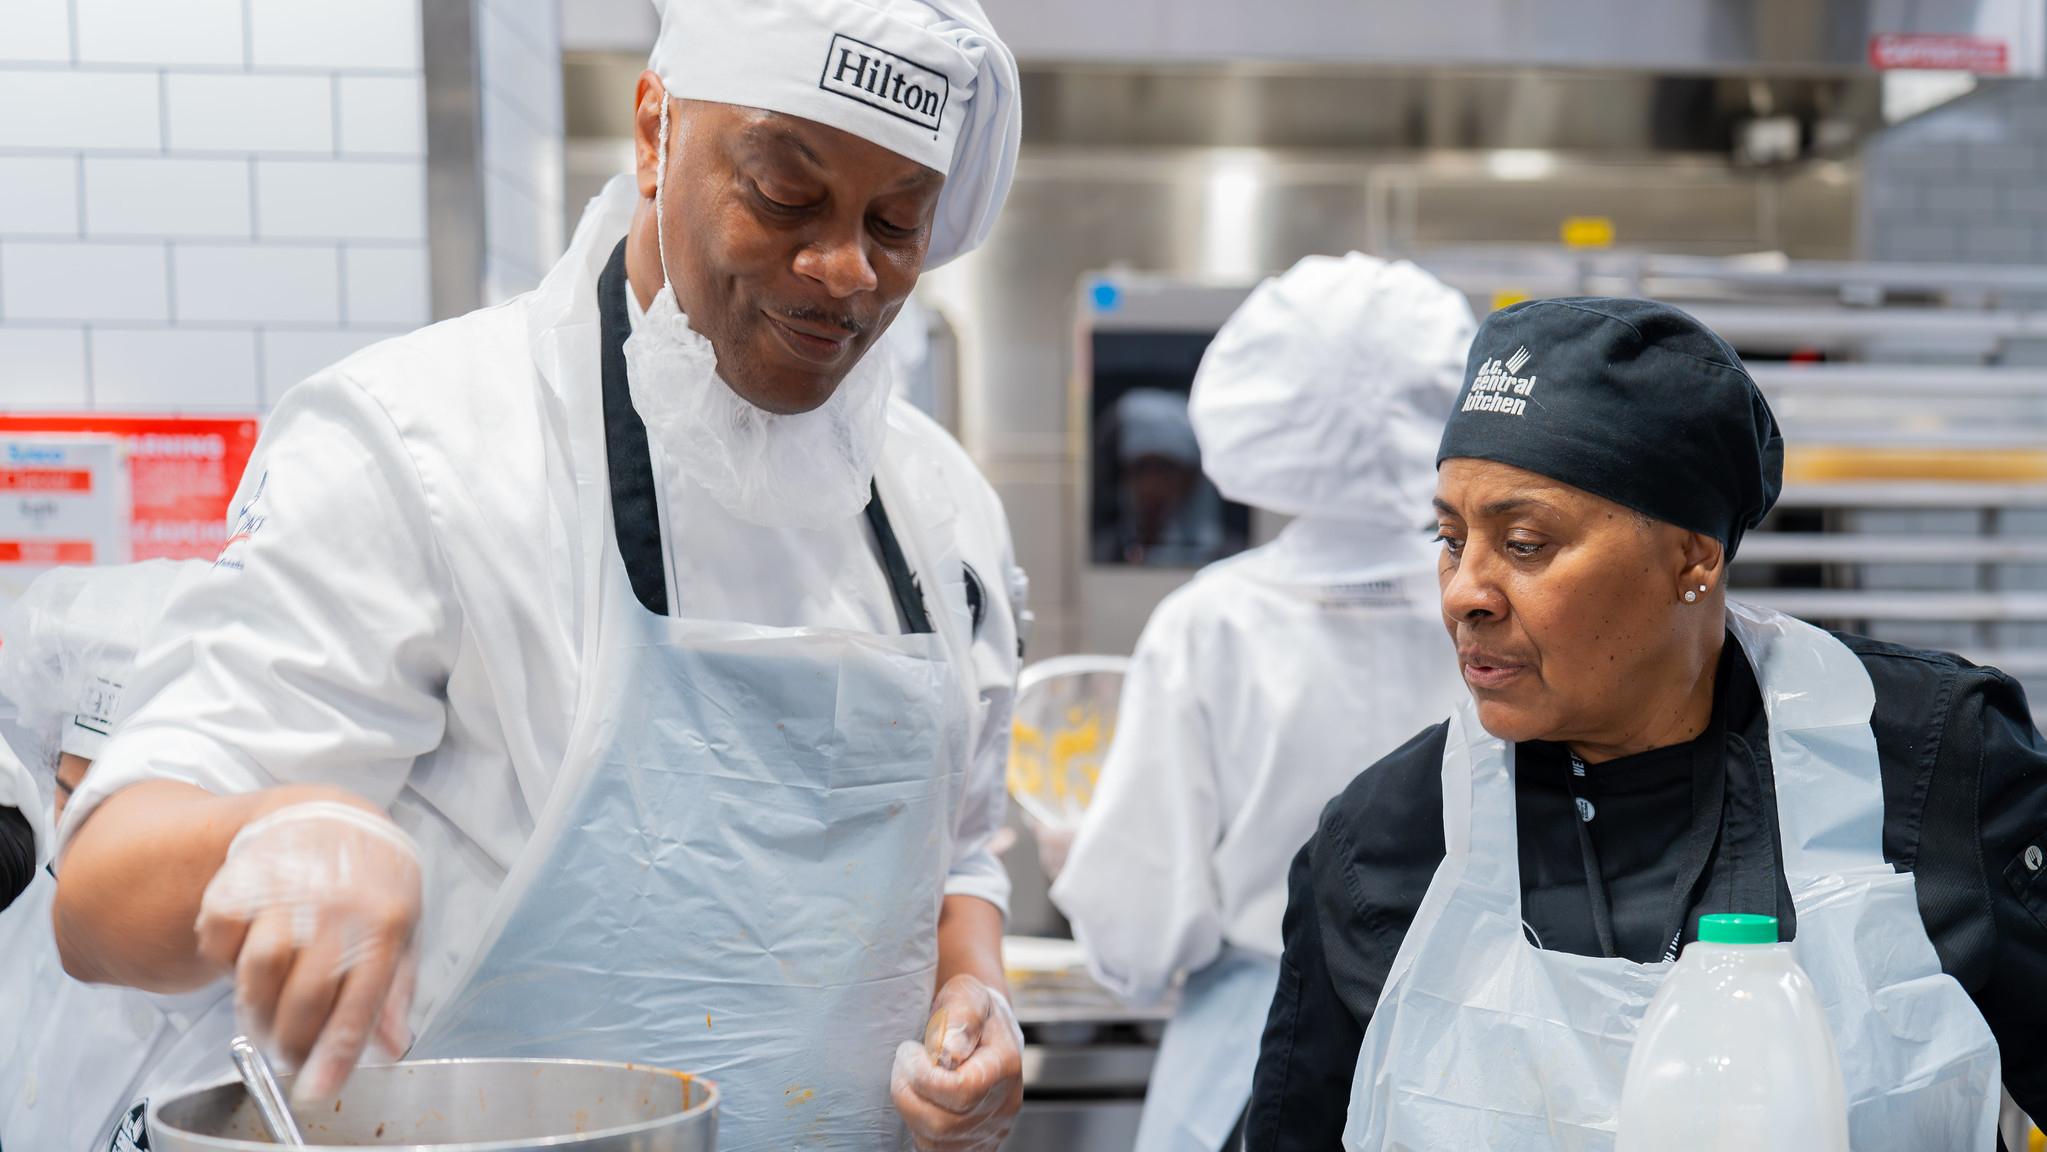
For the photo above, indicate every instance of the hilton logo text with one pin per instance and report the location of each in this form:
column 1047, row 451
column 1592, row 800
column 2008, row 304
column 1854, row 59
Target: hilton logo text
column 880, row 79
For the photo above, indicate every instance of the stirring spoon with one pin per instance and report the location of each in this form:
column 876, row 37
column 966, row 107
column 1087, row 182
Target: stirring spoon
column 262, row 1087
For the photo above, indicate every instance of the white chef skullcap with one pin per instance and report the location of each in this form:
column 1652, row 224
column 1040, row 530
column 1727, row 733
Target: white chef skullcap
column 1153, row 422
column 67, row 647
column 926, row 79
column 1325, row 394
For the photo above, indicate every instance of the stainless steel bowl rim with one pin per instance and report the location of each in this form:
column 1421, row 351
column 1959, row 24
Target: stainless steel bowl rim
column 525, row 1142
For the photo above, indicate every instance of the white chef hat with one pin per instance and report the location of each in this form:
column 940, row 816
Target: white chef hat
column 67, row 647
column 1153, row 422
column 1325, row 394
column 926, row 79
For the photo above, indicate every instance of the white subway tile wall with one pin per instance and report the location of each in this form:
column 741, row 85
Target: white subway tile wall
column 357, row 199
column 383, row 285
column 274, row 283
column 203, row 202
column 45, row 367
column 186, row 32
column 338, row 34
column 38, row 196
column 72, row 280
column 166, row 196
column 245, row 113
column 1965, row 182
column 132, row 368
column 378, row 115
column 44, row 108
column 35, row 30
column 519, row 55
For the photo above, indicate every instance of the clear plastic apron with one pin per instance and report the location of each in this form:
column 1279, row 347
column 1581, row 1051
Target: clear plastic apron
column 738, row 873
column 1202, row 1078
column 1482, row 1040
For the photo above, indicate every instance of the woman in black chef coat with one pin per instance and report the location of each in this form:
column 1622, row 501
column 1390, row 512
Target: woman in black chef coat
column 1638, row 752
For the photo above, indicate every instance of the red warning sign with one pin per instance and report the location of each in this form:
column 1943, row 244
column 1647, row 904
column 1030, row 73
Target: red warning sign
column 1983, row 55
column 183, row 472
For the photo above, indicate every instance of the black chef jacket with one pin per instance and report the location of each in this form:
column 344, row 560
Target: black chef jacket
column 1677, row 833
column 17, row 854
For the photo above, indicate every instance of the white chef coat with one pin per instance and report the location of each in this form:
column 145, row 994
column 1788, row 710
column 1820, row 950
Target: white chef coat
column 1256, row 692
column 399, row 609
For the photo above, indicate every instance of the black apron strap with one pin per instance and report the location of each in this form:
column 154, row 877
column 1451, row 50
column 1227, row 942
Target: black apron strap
column 635, row 513
column 909, row 597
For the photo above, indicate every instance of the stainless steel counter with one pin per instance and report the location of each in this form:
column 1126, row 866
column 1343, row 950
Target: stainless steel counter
column 1087, row 1059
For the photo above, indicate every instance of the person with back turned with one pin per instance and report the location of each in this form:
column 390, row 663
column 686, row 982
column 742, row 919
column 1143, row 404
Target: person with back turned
column 1258, row 689
column 1480, row 920
column 618, row 673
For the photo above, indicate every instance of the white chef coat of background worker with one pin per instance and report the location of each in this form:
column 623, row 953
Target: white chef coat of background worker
column 403, row 607
column 77, row 1051
column 1258, row 690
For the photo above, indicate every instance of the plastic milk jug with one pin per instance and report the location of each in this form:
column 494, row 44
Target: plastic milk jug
column 1734, row 1054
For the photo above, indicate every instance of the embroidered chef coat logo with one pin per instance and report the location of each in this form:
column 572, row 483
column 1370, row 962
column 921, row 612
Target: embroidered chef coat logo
column 132, row 1134
column 248, row 522
column 881, row 79
column 1496, row 388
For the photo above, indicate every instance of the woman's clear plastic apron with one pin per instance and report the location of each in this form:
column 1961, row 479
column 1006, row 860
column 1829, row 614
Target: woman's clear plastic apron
column 739, row 872
column 1482, row 1040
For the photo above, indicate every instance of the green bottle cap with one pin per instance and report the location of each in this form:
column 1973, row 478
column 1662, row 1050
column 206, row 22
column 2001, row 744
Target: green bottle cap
column 1737, row 928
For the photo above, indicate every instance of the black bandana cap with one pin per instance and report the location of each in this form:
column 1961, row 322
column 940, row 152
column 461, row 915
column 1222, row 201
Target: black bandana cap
column 1627, row 399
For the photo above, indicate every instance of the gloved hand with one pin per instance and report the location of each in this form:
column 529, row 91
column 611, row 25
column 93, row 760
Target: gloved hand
column 960, row 1089
column 314, row 911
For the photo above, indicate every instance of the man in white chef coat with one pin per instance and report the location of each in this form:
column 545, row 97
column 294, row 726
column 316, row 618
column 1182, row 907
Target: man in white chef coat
column 631, row 608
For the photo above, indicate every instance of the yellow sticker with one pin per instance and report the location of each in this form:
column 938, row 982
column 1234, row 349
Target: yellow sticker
column 1587, row 232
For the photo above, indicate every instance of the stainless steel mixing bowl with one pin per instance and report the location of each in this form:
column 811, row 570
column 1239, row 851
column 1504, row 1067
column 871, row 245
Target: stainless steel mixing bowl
column 468, row 1106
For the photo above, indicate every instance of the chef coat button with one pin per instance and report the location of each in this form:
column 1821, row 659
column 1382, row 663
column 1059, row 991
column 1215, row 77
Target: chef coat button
column 2034, row 858
column 1585, row 810
column 28, row 1092
column 142, row 1021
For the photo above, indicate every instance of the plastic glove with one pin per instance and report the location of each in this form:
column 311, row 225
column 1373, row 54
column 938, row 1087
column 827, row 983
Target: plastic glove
column 314, row 910
column 960, row 1089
